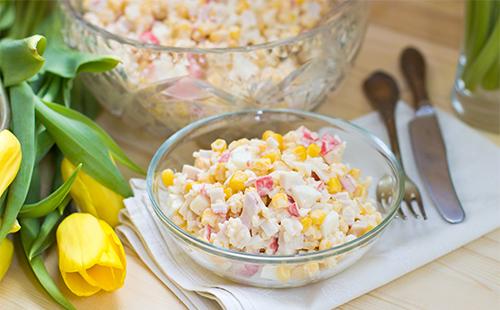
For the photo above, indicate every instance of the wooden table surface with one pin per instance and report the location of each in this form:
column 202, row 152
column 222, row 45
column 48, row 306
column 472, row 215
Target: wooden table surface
column 464, row 279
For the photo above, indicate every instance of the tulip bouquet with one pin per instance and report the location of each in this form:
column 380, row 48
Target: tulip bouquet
column 51, row 126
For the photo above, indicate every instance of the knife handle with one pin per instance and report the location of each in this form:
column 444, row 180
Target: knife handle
column 413, row 67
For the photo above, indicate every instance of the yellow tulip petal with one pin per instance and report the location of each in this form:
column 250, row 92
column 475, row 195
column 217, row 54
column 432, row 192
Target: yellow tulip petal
column 107, row 203
column 77, row 284
column 93, row 197
column 6, row 253
column 115, row 242
column 10, row 159
column 15, row 228
column 117, row 247
column 107, row 278
column 79, row 191
column 81, row 242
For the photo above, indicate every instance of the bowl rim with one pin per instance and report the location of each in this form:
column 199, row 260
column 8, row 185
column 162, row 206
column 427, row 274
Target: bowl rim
column 259, row 258
column 337, row 8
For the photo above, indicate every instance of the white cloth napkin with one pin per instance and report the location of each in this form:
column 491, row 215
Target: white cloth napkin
column 405, row 246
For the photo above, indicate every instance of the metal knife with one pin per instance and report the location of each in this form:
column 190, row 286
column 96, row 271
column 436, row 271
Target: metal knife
column 427, row 141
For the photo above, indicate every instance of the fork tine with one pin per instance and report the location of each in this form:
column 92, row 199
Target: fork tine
column 401, row 213
column 421, row 206
column 400, row 210
column 410, row 207
column 383, row 202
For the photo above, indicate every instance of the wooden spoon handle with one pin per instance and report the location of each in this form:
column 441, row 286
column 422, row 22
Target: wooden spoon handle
column 413, row 67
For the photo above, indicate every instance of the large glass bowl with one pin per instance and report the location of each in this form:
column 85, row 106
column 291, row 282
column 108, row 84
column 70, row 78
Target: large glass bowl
column 294, row 72
column 363, row 150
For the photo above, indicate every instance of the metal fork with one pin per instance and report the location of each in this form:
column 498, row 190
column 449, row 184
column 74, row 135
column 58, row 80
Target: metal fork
column 383, row 94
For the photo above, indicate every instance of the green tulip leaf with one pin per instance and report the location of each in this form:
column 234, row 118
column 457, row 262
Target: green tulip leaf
column 44, row 142
column 3, row 197
column 67, row 63
column 23, row 127
column 46, row 236
column 7, row 14
column 52, row 88
column 51, row 202
column 35, row 185
column 30, row 228
column 116, row 152
column 80, row 144
column 21, row 59
column 82, row 99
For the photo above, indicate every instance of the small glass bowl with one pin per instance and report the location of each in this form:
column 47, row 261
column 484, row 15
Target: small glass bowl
column 151, row 89
column 363, row 151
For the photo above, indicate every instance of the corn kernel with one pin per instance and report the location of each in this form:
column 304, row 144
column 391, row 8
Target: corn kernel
column 300, row 152
column 313, row 150
column 242, row 6
column 276, row 136
column 189, row 186
column 325, row 244
column 369, row 227
column 273, row 155
column 294, row 30
column 182, row 11
column 283, row 273
column 260, row 166
column 206, row 178
column 217, row 36
column 181, row 30
column 178, row 219
column 280, row 200
column 219, row 145
column 237, row 181
column 220, row 172
column 276, row 4
column 287, row 17
column 334, row 185
column 228, row 192
column 360, row 191
column 306, row 223
column 311, row 268
column 235, row 33
column 299, row 2
column 317, row 216
column 355, row 173
column 262, row 147
column 167, row 177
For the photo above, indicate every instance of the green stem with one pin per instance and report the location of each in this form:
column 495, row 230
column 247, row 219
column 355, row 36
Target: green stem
column 30, row 228
column 491, row 80
column 478, row 29
column 477, row 67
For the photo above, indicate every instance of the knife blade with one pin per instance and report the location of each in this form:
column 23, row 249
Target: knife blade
column 429, row 151
column 427, row 142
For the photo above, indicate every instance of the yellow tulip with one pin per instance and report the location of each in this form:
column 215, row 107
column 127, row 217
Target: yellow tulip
column 91, row 257
column 10, row 159
column 91, row 196
column 6, row 253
